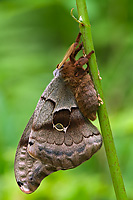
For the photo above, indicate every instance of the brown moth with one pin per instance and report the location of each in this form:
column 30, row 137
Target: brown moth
column 79, row 81
column 57, row 136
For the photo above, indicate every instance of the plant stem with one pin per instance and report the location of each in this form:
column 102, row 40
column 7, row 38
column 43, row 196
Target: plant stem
column 112, row 158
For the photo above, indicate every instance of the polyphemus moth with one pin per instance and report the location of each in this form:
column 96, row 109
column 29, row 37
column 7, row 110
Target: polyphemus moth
column 58, row 136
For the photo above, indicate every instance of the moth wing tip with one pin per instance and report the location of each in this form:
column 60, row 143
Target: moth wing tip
column 26, row 190
column 24, row 187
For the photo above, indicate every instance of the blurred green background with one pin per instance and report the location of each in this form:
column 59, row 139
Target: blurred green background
column 34, row 36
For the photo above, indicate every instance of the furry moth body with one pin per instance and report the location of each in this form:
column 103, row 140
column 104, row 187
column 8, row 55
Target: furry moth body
column 78, row 79
column 57, row 137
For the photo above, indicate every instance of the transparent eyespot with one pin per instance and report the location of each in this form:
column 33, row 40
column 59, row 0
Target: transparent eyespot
column 59, row 127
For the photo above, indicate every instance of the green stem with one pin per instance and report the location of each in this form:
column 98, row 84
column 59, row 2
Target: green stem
column 112, row 158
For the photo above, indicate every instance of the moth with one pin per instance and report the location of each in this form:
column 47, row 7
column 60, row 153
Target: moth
column 58, row 135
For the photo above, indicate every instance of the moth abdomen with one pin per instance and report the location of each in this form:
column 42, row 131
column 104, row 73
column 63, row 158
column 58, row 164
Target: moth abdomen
column 83, row 89
column 87, row 100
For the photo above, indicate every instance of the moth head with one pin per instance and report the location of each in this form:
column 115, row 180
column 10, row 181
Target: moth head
column 56, row 72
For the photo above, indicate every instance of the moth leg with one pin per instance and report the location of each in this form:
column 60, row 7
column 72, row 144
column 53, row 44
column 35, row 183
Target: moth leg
column 87, row 68
column 75, row 51
column 83, row 60
column 80, row 62
column 78, row 49
column 78, row 37
column 77, row 40
column 72, row 58
column 89, row 55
